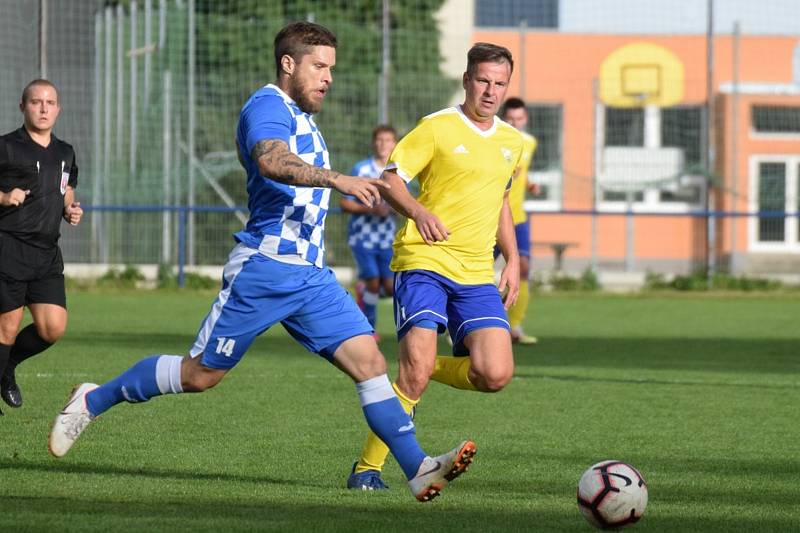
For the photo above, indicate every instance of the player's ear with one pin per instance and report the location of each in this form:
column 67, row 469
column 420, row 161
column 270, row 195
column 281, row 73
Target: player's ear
column 464, row 79
column 287, row 64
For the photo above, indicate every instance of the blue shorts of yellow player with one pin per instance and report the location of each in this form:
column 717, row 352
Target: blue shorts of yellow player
column 522, row 231
column 373, row 262
column 422, row 298
column 257, row 292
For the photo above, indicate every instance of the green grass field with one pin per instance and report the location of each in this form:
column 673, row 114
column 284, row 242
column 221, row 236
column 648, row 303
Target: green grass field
column 701, row 393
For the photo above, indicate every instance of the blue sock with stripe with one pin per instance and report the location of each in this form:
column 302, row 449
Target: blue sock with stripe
column 370, row 300
column 152, row 376
column 387, row 419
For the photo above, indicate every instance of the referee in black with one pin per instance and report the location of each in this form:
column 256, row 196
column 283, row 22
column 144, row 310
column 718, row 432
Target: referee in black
column 38, row 176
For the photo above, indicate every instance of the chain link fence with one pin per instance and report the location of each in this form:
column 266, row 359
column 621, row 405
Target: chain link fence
column 667, row 130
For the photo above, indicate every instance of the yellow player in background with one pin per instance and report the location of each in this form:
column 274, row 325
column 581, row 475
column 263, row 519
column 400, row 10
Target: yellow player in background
column 515, row 113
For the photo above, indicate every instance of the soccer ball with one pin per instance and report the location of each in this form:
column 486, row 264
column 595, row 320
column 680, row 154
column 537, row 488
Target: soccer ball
column 612, row 494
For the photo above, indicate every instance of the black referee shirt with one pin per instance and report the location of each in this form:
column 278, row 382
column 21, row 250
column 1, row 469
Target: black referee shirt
column 46, row 172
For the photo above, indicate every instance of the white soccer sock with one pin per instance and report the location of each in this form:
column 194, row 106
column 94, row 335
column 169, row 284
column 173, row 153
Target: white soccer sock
column 375, row 390
column 168, row 374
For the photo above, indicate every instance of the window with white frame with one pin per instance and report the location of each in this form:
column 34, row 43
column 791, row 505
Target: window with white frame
column 545, row 124
column 774, row 194
column 624, row 126
column 511, row 13
column 655, row 128
column 780, row 119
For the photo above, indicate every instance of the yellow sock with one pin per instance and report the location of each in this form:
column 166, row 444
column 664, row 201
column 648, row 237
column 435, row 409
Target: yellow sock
column 374, row 453
column 453, row 371
column 517, row 312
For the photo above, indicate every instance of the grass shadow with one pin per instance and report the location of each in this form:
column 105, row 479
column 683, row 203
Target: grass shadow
column 665, row 353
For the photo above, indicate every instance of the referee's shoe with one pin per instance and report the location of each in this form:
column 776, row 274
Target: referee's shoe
column 9, row 390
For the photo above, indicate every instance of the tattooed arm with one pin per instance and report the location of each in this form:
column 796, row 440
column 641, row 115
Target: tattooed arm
column 276, row 162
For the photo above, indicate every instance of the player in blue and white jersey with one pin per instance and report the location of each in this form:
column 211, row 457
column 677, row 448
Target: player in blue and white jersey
column 276, row 273
column 371, row 229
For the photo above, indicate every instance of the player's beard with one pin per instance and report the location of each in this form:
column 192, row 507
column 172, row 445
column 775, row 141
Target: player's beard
column 301, row 94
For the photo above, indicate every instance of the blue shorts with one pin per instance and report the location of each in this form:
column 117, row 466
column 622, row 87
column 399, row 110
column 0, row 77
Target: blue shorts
column 258, row 291
column 373, row 262
column 523, row 233
column 422, row 295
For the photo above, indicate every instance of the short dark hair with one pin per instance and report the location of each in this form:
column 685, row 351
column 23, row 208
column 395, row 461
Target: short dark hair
column 383, row 128
column 34, row 83
column 513, row 103
column 486, row 53
column 297, row 38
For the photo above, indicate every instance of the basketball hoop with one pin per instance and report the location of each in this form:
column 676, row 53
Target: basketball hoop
column 641, row 74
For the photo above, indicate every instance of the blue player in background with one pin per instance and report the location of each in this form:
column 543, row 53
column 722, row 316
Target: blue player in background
column 277, row 273
column 371, row 229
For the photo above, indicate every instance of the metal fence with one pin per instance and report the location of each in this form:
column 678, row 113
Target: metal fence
column 670, row 173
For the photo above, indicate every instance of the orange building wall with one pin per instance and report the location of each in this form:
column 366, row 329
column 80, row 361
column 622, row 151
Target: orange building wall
column 561, row 68
column 748, row 143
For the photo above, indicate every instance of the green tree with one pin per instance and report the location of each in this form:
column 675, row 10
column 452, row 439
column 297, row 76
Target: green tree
column 235, row 56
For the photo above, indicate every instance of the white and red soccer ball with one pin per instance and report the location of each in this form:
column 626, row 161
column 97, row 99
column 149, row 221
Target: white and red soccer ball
column 612, row 494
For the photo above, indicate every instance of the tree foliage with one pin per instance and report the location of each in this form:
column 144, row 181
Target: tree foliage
column 235, row 57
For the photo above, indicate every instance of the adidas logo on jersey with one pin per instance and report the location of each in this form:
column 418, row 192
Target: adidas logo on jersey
column 460, row 149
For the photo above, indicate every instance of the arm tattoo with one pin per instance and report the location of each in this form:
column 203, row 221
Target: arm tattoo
column 276, row 162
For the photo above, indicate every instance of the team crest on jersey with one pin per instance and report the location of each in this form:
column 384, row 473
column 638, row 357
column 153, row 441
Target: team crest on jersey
column 64, row 182
column 507, row 154
column 64, row 179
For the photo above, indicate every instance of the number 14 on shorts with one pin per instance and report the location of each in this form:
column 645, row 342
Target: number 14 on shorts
column 225, row 346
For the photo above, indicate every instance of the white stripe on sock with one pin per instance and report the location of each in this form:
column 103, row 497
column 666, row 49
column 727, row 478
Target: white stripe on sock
column 375, row 390
column 168, row 374
column 371, row 298
column 175, row 375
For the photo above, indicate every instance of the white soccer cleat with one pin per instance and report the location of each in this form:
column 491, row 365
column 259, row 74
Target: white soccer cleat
column 435, row 472
column 71, row 421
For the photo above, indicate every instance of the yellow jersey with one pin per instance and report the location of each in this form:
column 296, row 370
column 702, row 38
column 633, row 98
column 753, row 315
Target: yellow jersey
column 517, row 194
column 463, row 173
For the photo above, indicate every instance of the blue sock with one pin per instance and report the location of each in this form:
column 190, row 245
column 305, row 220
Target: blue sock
column 152, row 376
column 388, row 420
column 370, row 300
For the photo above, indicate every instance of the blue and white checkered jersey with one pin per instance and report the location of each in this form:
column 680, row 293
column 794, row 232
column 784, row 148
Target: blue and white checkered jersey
column 287, row 223
column 370, row 231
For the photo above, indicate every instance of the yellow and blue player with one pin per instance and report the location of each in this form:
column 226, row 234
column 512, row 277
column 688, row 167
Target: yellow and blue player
column 465, row 158
column 277, row 273
column 515, row 113
column 370, row 231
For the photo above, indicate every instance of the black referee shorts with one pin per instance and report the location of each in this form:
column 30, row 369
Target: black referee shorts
column 30, row 275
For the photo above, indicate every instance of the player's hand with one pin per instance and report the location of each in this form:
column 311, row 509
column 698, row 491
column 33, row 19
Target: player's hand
column 509, row 282
column 430, row 227
column 366, row 191
column 73, row 213
column 14, row 198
